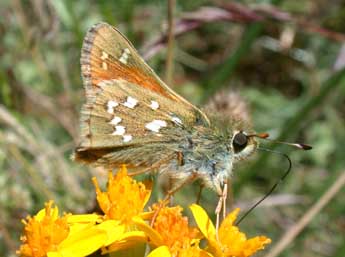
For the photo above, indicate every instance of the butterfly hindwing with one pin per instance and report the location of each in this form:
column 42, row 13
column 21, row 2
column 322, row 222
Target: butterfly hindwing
column 119, row 117
column 120, row 103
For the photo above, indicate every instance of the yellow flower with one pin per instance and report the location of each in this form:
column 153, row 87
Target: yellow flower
column 230, row 242
column 124, row 199
column 171, row 234
column 47, row 234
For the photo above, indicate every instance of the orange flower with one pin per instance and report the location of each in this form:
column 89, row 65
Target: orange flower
column 38, row 238
column 171, row 234
column 124, row 199
column 174, row 229
column 231, row 241
column 123, row 226
column 47, row 234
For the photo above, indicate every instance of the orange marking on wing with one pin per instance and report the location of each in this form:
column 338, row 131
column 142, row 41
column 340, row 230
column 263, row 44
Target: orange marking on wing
column 116, row 70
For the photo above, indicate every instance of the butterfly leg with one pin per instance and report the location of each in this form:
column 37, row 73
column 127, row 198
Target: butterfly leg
column 225, row 195
column 221, row 205
column 201, row 187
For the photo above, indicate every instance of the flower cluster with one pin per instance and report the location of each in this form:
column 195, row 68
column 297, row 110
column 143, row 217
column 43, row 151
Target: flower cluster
column 125, row 226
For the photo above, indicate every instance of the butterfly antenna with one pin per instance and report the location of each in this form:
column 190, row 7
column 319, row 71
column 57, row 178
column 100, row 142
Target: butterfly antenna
column 273, row 187
column 297, row 145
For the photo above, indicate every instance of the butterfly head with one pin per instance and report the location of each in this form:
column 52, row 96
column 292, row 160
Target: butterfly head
column 237, row 144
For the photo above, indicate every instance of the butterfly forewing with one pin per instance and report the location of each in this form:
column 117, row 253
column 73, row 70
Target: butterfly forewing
column 107, row 54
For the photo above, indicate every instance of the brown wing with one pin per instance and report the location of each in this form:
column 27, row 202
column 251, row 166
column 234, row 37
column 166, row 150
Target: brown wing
column 128, row 108
column 120, row 116
column 107, row 54
column 121, row 126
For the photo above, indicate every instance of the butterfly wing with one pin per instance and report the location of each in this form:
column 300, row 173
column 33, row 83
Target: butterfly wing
column 107, row 54
column 130, row 114
column 122, row 126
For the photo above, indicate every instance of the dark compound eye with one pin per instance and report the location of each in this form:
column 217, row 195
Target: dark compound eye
column 239, row 142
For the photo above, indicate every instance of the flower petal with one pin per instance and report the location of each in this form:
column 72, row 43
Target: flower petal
column 146, row 215
column 128, row 240
column 255, row 244
column 155, row 237
column 229, row 219
column 148, row 186
column 138, row 236
column 203, row 221
column 113, row 230
column 84, row 218
column 48, row 210
column 194, row 251
column 54, row 254
column 162, row 251
column 83, row 243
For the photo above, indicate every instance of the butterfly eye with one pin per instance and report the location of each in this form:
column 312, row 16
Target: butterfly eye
column 239, row 142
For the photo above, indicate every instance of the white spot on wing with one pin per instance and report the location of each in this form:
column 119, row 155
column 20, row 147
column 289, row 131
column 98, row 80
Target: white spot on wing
column 125, row 55
column 102, row 83
column 104, row 66
column 111, row 105
column 154, row 105
column 104, row 55
column 161, row 123
column 156, row 125
column 127, row 138
column 119, row 131
column 131, row 102
column 116, row 120
column 123, row 60
column 176, row 120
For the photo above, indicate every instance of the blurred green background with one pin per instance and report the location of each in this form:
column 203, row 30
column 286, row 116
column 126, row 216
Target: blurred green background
column 286, row 58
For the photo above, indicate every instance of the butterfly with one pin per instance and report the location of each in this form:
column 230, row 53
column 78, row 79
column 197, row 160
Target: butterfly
column 132, row 117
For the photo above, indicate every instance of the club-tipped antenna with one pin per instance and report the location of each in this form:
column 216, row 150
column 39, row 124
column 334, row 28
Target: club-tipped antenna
column 297, row 145
column 272, row 188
